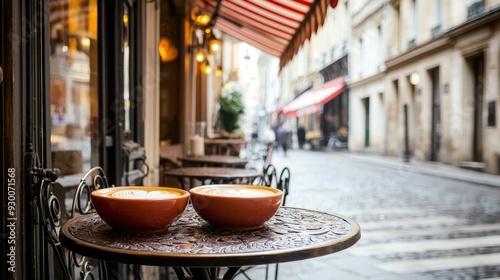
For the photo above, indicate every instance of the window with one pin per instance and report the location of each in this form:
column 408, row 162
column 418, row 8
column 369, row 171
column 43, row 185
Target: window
column 73, row 83
column 413, row 31
column 439, row 13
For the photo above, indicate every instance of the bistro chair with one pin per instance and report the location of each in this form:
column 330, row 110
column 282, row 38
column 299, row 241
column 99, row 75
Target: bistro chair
column 259, row 154
column 268, row 154
column 269, row 177
column 49, row 215
column 284, row 183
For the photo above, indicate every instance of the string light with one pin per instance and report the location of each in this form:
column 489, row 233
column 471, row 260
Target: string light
column 200, row 55
column 202, row 20
column 206, row 67
column 207, row 43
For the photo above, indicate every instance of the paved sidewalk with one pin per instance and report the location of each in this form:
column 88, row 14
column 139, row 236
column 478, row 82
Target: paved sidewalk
column 427, row 167
column 353, row 264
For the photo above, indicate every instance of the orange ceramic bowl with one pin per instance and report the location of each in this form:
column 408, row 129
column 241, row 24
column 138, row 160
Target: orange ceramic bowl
column 138, row 209
column 236, row 207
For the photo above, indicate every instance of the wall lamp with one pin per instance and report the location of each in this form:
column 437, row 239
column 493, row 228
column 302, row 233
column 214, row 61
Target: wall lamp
column 166, row 47
column 414, row 78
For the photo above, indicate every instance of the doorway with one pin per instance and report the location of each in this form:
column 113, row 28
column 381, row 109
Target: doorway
column 436, row 115
column 477, row 66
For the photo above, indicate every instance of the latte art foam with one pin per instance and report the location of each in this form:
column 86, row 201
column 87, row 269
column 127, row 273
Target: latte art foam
column 238, row 192
column 142, row 194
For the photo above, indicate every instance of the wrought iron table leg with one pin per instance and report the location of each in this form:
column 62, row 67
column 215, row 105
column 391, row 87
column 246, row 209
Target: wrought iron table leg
column 201, row 273
column 204, row 273
column 230, row 273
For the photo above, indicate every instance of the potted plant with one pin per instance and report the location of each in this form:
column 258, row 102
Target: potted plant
column 231, row 107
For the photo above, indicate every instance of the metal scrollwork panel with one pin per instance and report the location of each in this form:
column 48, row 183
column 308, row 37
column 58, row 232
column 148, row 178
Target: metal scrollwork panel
column 81, row 201
column 49, row 209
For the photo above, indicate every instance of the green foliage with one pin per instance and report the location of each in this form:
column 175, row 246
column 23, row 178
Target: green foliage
column 231, row 107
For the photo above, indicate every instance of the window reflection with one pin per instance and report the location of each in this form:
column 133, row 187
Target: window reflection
column 126, row 61
column 73, row 84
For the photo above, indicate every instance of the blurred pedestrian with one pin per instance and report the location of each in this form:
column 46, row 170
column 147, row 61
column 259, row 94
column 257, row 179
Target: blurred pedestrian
column 283, row 138
column 301, row 135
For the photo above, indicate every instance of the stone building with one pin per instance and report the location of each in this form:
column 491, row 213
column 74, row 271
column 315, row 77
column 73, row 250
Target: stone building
column 313, row 89
column 432, row 91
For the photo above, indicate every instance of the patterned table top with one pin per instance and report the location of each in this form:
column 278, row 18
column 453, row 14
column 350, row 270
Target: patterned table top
column 292, row 234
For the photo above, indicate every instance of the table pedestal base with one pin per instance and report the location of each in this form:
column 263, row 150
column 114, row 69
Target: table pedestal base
column 204, row 273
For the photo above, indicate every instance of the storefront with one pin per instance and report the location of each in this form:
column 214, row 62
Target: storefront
column 80, row 87
column 322, row 110
column 71, row 97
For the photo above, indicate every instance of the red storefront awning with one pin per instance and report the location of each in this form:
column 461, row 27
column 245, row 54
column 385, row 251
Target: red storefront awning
column 310, row 101
column 276, row 27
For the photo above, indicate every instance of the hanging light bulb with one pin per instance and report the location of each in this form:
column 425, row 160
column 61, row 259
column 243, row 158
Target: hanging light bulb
column 200, row 55
column 214, row 44
column 218, row 71
column 202, row 20
column 206, row 67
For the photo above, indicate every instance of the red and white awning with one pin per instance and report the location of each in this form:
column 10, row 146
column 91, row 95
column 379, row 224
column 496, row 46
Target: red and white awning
column 310, row 101
column 277, row 27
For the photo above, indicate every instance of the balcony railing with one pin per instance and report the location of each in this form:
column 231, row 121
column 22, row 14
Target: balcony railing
column 475, row 9
column 412, row 44
column 436, row 31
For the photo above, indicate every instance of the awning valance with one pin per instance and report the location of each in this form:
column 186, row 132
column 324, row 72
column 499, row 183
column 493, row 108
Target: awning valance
column 310, row 101
column 277, row 27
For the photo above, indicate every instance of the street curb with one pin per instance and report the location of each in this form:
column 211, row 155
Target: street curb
column 430, row 168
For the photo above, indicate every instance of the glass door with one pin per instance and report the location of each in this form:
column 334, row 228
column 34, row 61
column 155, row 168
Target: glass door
column 132, row 63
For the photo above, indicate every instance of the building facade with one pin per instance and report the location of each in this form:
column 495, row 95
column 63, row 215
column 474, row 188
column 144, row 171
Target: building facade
column 435, row 94
column 367, row 50
column 322, row 59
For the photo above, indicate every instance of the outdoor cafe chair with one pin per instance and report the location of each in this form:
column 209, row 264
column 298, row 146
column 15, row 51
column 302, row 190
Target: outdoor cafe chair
column 49, row 215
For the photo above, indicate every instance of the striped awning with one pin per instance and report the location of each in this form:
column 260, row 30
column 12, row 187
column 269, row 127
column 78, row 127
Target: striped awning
column 277, row 27
column 311, row 101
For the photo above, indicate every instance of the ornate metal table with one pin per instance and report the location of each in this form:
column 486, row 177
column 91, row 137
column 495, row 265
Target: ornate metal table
column 214, row 174
column 292, row 234
column 213, row 161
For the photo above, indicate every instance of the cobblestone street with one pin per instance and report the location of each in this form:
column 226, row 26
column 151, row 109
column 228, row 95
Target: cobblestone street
column 413, row 225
